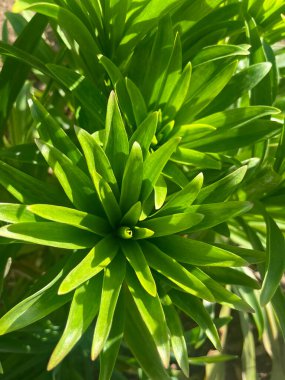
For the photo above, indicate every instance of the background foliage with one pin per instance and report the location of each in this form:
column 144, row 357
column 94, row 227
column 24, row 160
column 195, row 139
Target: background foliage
column 142, row 189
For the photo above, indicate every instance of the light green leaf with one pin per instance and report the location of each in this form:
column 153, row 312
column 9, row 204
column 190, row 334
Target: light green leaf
column 132, row 178
column 152, row 314
column 135, row 257
column 193, row 307
column 71, row 216
column 196, row 252
column 192, row 157
column 52, row 133
column 137, row 100
column 14, row 213
column 160, row 192
column 232, row 277
column 96, row 159
column 116, row 144
column 96, row 260
column 176, row 335
column 114, row 275
column 181, row 200
column 141, row 343
column 145, row 133
column 28, row 189
column 171, row 224
column 175, row 272
column 155, row 163
column 50, row 233
column 222, row 295
column 202, row 360
column 132, row 216
column 81, row 314
column 252, row 256
column 220, row 190
column 275, row 260
column 76, row 184
column 217, row 213
column 111, row 348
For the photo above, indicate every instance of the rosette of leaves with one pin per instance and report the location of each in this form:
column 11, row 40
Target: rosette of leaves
column 131, row 267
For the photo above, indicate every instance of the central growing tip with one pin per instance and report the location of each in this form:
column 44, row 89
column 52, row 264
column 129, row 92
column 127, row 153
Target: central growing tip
column 125, row 232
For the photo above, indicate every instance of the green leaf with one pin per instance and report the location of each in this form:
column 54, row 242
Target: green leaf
column 135, row 257
column 217, row 213
column 76, row 184
column 181, row 200
column 26, row 188
column 275, row 260
column 171, row 224
column 220, row 190
column 52, row 133
column 141, row 343
column 176, row 335
column 202, row 360
column 114, row 275
column 196, row 252
column 14, row 74
column 173, row 271
column 154, row 164
column 83, row 89
column 81, row 314
column 252, row 256
column 111, row 348
column 43, row 302
column 132, row 178
column 51, row 234
column 236, row 117
column 232, row 277
column 179, row 93
column 96, row 260
column 191, row 157
column 79, row 219
column 193, row 307
column 222, row 295
column 145, row 133
column 14, row 213
column 152, row 314
column 199, row 100
column 116, row 144
column 112, row 70
column 137, row 100
column 132, row 216
column 240, row 83
column 160, row 192
column 74, row 27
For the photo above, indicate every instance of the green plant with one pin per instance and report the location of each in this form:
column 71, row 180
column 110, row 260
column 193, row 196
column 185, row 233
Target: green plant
column 150, row 234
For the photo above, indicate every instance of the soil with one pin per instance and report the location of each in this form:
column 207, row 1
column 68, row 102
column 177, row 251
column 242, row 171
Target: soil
column 5, row 5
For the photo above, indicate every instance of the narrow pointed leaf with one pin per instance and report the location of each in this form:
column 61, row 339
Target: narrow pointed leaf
column 155, row 163
column 145, row 133
column 196, row 252
column 275, row 252
column 160, row 192
column 141, row 343
column 96, row 158
column 192, row 157
column 52, row 133
column 135, row 257
column 232, row 277
column 181, row 200
column 176, row 335
column 96, row 260
column 132, row 178
column 116, row 140
column 175, row 272
column 153, row 316
column 111, row 348
column 77, row 186
column 193, row 307
column 50, row 233
column 71, row 216
column 137, row 100
column 171, row 224
column 14, row 213
column 132, row 216
column 81, row 314
column 114, row 275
